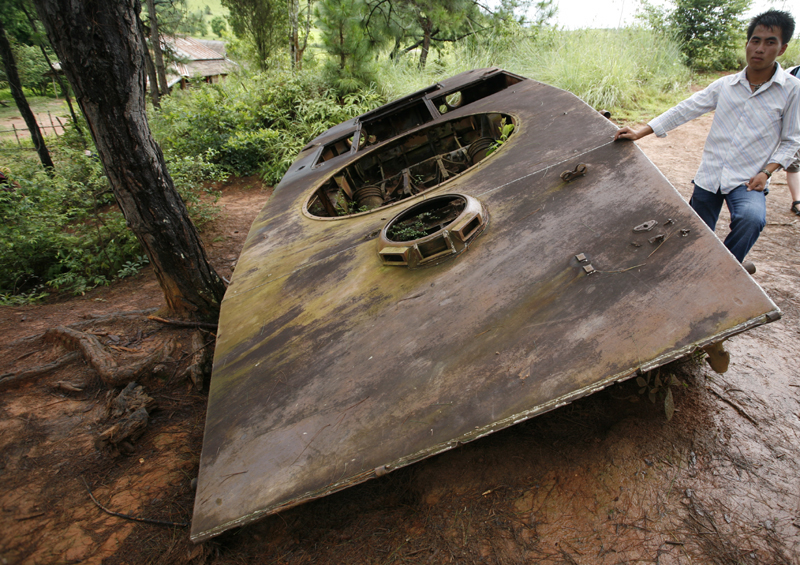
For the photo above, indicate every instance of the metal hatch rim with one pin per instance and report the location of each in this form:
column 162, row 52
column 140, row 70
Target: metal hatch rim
column 507, row 146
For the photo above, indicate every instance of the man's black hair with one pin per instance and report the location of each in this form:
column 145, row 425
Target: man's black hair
column 773, row 19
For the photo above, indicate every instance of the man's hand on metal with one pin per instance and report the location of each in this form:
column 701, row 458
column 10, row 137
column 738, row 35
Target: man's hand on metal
column 631, row 134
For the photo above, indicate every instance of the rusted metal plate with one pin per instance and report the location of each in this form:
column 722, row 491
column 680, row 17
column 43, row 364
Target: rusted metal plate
column 333, row 367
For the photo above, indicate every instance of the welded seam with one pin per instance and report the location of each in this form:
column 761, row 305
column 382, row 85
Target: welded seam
column 545, row 169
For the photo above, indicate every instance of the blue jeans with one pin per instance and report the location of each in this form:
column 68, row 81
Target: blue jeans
column 748, row 215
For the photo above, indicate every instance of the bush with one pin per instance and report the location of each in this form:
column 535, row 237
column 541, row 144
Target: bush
column 64, row 231
column 254, row 124
column 710, row 33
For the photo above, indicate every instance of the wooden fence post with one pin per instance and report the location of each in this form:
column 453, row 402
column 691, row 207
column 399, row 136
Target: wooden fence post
column 51, row 123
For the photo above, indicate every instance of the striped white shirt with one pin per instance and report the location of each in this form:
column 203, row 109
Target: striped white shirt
column 750, row 129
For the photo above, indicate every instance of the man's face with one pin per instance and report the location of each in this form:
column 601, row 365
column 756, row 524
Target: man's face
column 764, row 46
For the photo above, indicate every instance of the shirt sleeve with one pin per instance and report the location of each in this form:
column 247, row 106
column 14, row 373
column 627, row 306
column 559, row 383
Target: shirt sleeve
column 693, row 107
column 789, row 144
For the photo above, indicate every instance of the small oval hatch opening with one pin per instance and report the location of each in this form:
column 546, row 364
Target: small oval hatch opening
column 432, row 231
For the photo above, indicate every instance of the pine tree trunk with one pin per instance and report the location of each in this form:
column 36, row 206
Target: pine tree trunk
column 427, row 26
column 294, row 33
column 102, row 56
column 12, row 75
column 148, row 64
column 155, row 41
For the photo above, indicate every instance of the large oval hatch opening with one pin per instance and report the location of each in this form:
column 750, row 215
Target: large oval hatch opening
column 410, row 165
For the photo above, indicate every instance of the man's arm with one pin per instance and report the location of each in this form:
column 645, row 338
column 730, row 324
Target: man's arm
column 696, row 105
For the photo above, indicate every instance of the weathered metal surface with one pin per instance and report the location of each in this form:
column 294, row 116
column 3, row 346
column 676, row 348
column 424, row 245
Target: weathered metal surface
column 332, row 368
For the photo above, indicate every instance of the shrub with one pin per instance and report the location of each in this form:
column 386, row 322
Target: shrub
column 64, row 231
column 710, row 33
column 258, row 123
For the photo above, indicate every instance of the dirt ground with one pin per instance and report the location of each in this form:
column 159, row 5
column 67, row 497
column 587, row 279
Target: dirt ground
column 601, row 481
column 51, row 121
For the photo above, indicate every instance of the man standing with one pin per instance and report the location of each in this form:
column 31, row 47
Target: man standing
column 755, row 132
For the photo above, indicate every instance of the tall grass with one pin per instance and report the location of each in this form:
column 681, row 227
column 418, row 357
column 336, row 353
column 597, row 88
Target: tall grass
column 791, row 57
column 610, row 69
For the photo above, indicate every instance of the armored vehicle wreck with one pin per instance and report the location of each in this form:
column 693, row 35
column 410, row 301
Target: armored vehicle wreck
column 450, row 264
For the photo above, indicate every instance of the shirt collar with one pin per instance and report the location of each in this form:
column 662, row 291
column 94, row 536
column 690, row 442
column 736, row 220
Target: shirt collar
column 779, row 76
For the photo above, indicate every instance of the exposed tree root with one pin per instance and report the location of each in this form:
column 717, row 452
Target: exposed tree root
column 131, row 399
column 104, row 364
column 183, row 323
column 201, row 360
column 84, row 323
column 130, row 407
column 127, row 430
column 9, row 379
column 134, row 518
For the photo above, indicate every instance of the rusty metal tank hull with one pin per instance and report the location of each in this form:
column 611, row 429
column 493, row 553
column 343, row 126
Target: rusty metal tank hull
column 334, row 365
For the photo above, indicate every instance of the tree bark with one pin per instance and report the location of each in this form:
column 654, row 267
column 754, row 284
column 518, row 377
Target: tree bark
column 99, row 46
column 294, row 43
column 155, row 40
column 302, row 48
column 427, row 26
column 148, row 63
column 15, row 85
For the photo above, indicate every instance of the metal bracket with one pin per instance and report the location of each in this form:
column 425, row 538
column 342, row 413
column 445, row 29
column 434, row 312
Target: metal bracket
column 647, row 226
column 579, row 170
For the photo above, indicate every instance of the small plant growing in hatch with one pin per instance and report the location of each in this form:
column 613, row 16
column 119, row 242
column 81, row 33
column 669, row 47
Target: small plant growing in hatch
column 505, row 132
column 410, row 230
column 657, row 387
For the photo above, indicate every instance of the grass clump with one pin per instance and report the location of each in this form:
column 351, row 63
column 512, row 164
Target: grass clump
column 625, row 70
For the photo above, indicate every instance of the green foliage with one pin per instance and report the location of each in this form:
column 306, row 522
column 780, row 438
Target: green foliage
column 193, row 177
column 610, row 69
column 176, row 17
column 710, row 32
column 218, row 26
column 505, row 132
column 32, row 67
column 261, row 23
column 791, row 57
column 60, row 230
column 257, row 124
column 415, row 228
column 657, row 387
column 346, row 40
column 64, row 230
